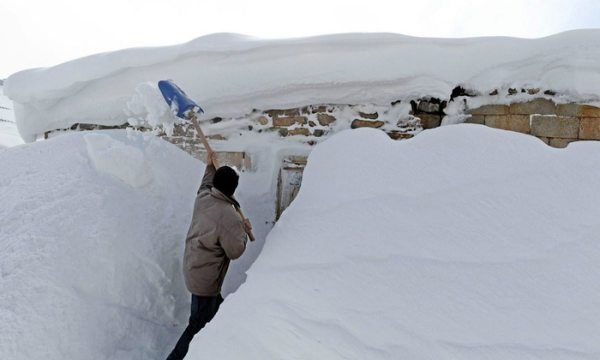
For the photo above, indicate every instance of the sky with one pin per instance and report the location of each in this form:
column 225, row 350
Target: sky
column 41, row 33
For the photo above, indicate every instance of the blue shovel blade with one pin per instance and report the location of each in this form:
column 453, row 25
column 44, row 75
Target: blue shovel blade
column 178, row 101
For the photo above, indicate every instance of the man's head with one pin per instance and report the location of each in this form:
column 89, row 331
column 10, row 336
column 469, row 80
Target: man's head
column 226, row 180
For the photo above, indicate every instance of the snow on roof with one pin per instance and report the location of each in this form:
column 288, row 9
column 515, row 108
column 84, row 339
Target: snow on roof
column 232, row 74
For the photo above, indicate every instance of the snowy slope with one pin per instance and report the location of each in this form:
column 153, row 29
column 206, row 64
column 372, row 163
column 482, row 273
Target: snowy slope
column 463, row 243
column 231, row 74
column 9, row 136
column 92, row 228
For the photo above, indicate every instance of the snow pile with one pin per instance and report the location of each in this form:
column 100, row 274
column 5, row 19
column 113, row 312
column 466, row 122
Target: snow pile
column 229, row 75
column 122, row 161
column 463, row 243
column 147, row 107
column 9, row 136
column 92, row 229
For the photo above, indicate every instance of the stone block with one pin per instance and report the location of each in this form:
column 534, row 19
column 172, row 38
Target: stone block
column 299, row 131
column 325, row 119
column 357, row 123
column 544, row 139
column 567, row 109
column 429, row 107
column 398, row 135
column 430, row 121
column 283, row 112
column 318, row 132
column 518, row 123
column 589, row 128
column 319, row 109
column 490, row 110
column 536, row 106
column 476, row 119
column 564, row 127
column 589, row 111
column 282, row 131
column 372, row 116
column 573, row 109
column 560, row 143
column 288, row 120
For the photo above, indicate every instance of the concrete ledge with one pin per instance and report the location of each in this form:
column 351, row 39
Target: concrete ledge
column 565, row 127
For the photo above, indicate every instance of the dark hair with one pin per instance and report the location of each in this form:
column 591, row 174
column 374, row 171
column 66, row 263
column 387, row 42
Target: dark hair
column 226, row 180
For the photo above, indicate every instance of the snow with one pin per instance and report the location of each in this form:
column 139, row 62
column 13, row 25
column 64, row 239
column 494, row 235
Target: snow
column 148, row 108
column 122, row 161
column 229, row 75
column 92, row 228
column 464, row 242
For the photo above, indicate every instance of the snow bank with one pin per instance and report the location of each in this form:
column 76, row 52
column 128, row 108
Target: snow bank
column 92, row 229
column 90, row 265
column 230, row 74
column 463, row 243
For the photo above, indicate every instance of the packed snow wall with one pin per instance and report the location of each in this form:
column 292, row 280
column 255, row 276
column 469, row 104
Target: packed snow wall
column 230, row 75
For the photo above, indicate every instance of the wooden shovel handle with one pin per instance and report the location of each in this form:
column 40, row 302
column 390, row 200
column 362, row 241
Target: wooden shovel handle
column 216, row 164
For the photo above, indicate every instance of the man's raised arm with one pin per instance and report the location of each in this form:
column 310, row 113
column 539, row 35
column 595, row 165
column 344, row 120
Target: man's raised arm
column 209, row 172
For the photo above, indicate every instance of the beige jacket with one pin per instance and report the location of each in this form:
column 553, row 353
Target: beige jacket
column 215, row 237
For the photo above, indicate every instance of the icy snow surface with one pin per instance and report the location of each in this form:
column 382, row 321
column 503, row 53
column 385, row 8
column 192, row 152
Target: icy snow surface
column 229, row 75
column 92, row 228
column 464, row 242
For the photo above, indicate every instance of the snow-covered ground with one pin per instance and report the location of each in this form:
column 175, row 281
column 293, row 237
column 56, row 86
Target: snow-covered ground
column 231, row 74
column 9, row 136
column 463, row 243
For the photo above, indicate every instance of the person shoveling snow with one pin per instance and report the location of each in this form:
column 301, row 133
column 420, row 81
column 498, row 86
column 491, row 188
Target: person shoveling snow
column 218, row 232
column 216, row 236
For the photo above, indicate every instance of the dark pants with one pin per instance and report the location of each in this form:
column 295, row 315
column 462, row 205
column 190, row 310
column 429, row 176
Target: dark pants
column 204, row 309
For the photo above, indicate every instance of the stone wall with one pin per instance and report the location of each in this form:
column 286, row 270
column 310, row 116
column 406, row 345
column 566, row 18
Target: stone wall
column 555, row 124
column 319, row 120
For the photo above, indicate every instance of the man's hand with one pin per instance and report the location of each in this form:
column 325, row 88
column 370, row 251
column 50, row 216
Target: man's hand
column 247, row 225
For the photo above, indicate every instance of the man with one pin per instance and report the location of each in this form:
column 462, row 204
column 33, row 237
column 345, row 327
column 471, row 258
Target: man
column 217, row 235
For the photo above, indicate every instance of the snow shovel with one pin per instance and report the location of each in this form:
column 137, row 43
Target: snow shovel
column 186, row 108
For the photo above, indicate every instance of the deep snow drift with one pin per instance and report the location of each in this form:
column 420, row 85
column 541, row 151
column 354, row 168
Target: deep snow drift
column 463, row 243
column 92, row 228
column 229, row 75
